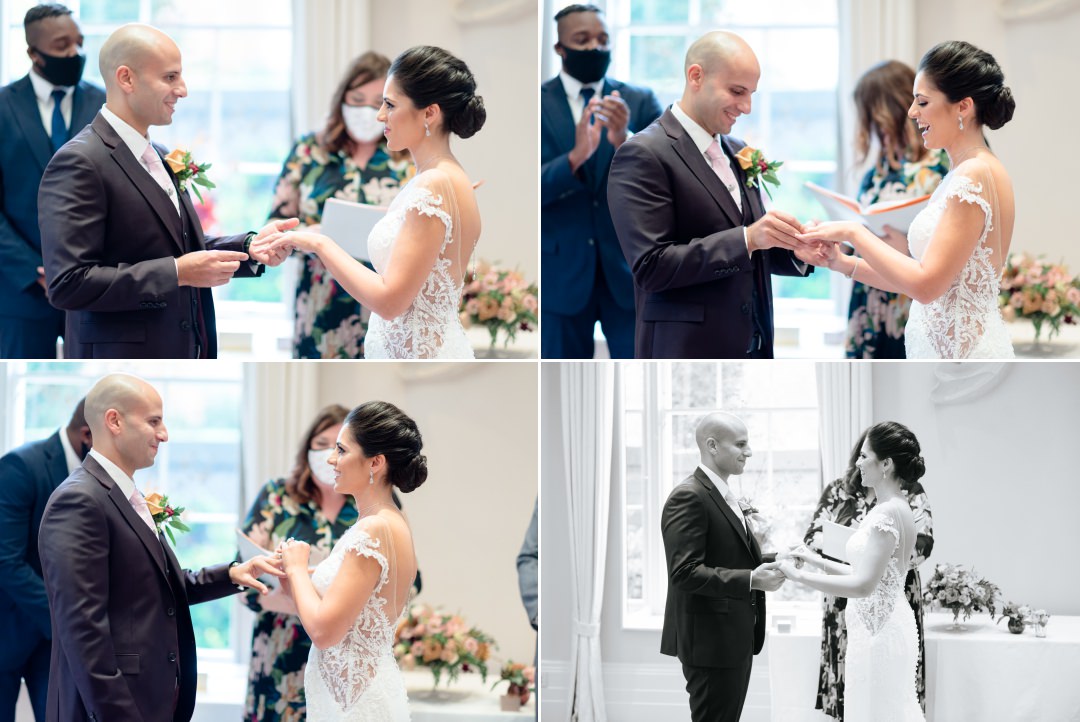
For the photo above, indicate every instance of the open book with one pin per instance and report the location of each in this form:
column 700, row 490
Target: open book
column 899, row 214
column 834, row 539
column 349, row 224
column 249, row 548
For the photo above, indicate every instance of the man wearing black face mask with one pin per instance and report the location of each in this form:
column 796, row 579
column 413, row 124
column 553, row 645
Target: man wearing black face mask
column 38, row 114
column 28, row 475
column 585, row 117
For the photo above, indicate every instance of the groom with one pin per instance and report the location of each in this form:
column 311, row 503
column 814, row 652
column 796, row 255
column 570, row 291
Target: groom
column 699, row 242
column 123, row 642
column 714, row 620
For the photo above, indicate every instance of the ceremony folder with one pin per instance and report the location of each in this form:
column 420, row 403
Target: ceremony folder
column 898, row 214
column 834, row 540
column 349, row 224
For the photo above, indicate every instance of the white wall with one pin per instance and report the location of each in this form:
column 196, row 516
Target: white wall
column 479, row 422
column 1040, row 59
column 1002, row 483
column 503, row 56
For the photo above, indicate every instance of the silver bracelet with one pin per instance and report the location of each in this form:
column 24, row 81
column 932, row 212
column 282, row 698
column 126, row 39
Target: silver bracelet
column 853, row 268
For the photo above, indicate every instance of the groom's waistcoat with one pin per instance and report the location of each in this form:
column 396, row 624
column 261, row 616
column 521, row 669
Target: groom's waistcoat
column 712, row 618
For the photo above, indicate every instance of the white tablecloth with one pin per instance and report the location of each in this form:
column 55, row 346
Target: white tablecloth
column 467, row 700
column 984, row 674
column 1065, row 344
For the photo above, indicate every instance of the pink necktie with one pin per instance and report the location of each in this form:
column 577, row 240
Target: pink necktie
column 139, row 504
column 720, row 165
column 157, row 171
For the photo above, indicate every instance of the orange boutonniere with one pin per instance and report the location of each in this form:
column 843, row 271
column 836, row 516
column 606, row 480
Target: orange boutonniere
column 755, row 165
column 186, row 169
column 166, row 517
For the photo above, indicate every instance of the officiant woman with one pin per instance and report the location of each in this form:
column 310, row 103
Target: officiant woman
column 347, row 159
column 304, row 506
column 903, row 168
column 845, row 501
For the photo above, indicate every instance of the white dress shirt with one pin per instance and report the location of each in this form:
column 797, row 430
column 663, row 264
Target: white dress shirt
column 43, row 91
column 573, row 88
column 725, row 491
column 125, row 482
column 70, row 456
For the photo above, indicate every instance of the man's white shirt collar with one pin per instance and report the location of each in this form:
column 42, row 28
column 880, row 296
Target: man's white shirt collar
column 573, row 86
column 719, row 483
column 126, row 484
column 699, row 135
column 43, row 88
column 133, row 139
column 70, row 456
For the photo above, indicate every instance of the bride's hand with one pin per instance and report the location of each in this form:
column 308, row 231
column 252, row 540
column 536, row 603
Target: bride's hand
column 303, row 240
column 260, row 249
column 831, row 232
column 802, row 554
column 789, row 570
column 294, row 555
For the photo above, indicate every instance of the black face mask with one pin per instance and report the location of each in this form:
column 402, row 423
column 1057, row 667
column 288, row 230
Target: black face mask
column 588, row 66
column 62, row 70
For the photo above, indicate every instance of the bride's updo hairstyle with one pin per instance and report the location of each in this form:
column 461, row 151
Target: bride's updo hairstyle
column 382, row 428
column 431, row 76
column 961, row 70
column 890, row 440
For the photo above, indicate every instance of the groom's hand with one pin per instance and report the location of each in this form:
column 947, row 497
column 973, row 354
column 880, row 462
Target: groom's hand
column 246, row 574
column 206, row 269
column 261, row 250
column 767, row 577
column 775, row 229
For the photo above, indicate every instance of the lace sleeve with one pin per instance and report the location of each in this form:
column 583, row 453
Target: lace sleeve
column 432, row 198
column 363, row 544
column 968, row 190
column 885, row 523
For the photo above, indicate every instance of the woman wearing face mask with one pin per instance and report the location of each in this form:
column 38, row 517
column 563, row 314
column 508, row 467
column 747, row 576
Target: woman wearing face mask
column 348, row 159
column 303, row 506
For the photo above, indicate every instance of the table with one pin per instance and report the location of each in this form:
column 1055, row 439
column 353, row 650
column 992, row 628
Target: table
column 984, row 674
column 467, row 700
column 1065, row 344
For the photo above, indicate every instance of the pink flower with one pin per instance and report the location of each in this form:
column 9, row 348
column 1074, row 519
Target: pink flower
column 1073, row 295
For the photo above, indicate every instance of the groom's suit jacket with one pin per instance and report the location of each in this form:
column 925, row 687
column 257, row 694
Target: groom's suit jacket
column 712, row 618
column 698, row 293
column 110, row 238
column 123, row 642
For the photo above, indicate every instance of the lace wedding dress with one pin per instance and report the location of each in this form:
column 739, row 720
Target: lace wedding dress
column 965, row 321
column 358, row 679
column 883, row 643
column 430, row 328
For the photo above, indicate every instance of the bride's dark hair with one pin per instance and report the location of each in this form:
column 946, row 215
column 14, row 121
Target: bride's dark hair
column 890, row 440
column 382, row 428
column 961, row 70
column 431, row 76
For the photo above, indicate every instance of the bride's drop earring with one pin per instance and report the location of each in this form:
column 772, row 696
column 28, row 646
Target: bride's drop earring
column 371, row 476
column 961, row 122
column 427, row 130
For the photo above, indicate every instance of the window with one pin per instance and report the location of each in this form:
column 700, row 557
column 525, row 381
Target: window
column 199, row 467
column 237, row 65
column 661, row 404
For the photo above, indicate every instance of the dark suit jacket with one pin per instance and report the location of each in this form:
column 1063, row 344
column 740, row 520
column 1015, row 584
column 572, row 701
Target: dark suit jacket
column 28, row 475
column 25, row 150
column 683, row 238
column 123, row 638
column 575, row 224
column 712, row 617
column 110, row 236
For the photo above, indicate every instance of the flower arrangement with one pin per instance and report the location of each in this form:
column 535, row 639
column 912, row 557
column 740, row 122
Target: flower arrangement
column 1017, row 614
column 500, row 300
column 756, row 167
column 166, row 517
column 961, row 590
column 185, row 169
column 522, row 679
column 444, row 643
column 1040, row 292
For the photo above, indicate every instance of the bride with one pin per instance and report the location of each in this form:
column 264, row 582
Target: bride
column 350, row 605
column 883, row 643
column 960, row 241
column 421, row 248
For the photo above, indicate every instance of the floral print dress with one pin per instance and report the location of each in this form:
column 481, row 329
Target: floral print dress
column 876, row 319
column 839, row 506
column 329, row 322
column 279, row 645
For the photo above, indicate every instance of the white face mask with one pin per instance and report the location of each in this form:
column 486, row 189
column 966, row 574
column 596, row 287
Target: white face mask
column 317, row 461
column 361, row 122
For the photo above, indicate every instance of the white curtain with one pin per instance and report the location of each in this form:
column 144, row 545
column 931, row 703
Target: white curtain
column 845, row 409
column 279, row 403
column 870, row 31
column 587, row 415
column 328, row 35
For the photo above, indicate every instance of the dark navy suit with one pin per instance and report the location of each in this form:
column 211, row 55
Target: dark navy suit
column 28, row 475
column 29, row 326
column 585, row 276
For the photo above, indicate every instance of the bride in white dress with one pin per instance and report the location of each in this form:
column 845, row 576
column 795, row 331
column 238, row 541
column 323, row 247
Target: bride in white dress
column 883, row 643
column 421, row 248
column 960, row 241
column 352, row 602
